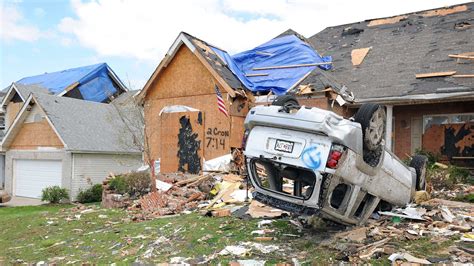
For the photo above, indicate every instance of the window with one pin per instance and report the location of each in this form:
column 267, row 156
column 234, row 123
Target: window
column 2, row 121
column 429, row 120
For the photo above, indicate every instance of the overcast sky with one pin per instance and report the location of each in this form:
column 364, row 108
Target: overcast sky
column 132, row 36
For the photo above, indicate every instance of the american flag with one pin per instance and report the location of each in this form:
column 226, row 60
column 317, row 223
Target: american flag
column 220, row 102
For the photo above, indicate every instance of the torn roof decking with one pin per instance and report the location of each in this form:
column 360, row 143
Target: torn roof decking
column 402, row 46
column 206, row 50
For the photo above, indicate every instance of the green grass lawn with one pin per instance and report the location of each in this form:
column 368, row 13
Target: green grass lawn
column 56, row 233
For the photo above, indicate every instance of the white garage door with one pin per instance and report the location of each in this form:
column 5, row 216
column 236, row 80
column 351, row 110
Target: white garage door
column 32, row 176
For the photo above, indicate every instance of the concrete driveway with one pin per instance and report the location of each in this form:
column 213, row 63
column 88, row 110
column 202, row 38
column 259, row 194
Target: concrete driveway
column 21, row 201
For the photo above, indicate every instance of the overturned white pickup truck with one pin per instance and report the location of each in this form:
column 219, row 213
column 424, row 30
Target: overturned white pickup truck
column 312, row 161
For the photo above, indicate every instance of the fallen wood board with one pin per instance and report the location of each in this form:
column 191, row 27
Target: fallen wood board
column 358, row 55
column 221, row 213
column 292, row 66
column 448, row 203
column 232, row 178
column 374, row 244
column 464, row 76
column 461, row 56
column 189, row 180
column 354, row 235
column 260, row 210
column 435, row 74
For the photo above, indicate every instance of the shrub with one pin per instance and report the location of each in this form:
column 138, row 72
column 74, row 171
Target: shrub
column 138, row 183
column 459, row 175
column 54, row 194
column 135, row 184
column 432, row 157
column 118, row 184
column 92, row 194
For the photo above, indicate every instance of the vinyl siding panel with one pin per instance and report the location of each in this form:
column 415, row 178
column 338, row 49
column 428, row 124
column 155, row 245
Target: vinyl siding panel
column 91, row 169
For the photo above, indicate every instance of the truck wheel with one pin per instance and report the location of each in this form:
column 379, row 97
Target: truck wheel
column 285, row 100
column 419, row 162
column 372, row 118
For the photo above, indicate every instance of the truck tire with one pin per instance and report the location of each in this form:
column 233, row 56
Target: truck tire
column 285, row 100
column 419, row 162
column 372, row 119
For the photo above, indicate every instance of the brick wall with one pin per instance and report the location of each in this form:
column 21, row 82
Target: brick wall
column 404, row 114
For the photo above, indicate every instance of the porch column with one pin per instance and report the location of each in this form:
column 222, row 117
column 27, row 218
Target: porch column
column 388, row 127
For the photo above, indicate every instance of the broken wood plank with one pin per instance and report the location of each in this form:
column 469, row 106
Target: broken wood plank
column 69, row 88
column 221, row 213
column 358, row 55
column 435, row 74
column 189, row 180
column 464, row 76
column 292, row 66
column 461, row 56
column 300, row 80
column 304, row 89
column 256, row 75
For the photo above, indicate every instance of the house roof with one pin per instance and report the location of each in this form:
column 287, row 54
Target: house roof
column 95, row 82
column 237, row 72
column 125, row 98
column 205, row 53
column 96, row 127
column 26, row 90
column 401, row 47
column 22, row 90
column 277, row 65
column 83, row 126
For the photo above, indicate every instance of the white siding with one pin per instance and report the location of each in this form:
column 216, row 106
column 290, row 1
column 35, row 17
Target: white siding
column 416, row 133
column 91, row 169
column 2, row 171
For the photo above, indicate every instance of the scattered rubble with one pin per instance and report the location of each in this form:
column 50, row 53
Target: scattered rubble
column 219, row 194
column 433, row 219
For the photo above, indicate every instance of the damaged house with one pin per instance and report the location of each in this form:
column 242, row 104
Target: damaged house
column 421, row 67
column 66, row 128
column 196, row 100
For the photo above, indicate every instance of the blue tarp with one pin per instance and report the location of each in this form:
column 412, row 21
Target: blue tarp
column 282, row 51
column 94, row 81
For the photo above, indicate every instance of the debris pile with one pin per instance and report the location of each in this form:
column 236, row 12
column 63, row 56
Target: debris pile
column 450, row 182
column 215, row 194
column 438, row 220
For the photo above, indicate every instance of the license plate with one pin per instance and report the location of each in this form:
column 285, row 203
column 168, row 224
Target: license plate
column 284, row 146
